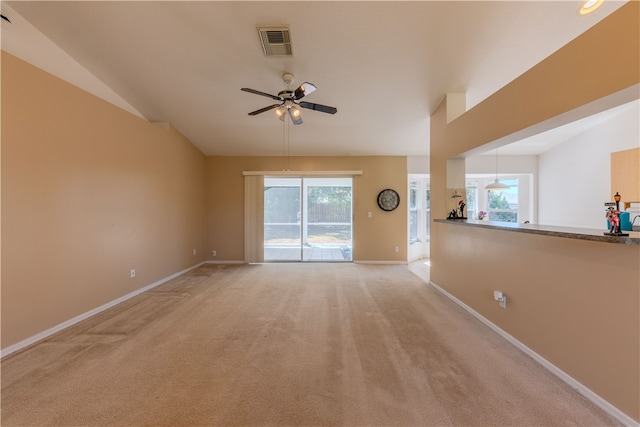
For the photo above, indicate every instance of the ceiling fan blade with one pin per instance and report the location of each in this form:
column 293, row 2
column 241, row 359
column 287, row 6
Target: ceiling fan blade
column 305, row 88
column 319, row 107
column 257, row 92
column 262, row 110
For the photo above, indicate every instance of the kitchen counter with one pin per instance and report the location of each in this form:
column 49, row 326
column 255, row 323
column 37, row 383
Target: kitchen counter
column 549, row 230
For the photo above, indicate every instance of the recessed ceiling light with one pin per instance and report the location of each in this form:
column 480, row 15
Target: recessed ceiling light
column 589, row 6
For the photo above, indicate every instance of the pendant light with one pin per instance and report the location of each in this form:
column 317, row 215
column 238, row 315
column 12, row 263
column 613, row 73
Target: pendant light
column 497, row 185
column 589, row 6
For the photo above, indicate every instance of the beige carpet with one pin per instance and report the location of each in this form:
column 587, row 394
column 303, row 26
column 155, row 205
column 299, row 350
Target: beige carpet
column 286, row 344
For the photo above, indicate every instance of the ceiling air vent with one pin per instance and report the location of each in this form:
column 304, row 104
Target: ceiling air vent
column 276, row 41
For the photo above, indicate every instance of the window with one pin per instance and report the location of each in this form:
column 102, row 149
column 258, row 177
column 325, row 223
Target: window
column 504, row 205
column 419, row 209
column 414, row 204
column 427, row 212
column 472, row 199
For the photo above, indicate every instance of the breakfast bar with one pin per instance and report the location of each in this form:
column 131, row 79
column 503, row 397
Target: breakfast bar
column 549, row 230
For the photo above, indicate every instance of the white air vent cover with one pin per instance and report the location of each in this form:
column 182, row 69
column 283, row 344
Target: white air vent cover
column 276, row 41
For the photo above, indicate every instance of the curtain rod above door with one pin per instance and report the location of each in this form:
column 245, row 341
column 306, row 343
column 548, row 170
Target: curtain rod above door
column 303, row 173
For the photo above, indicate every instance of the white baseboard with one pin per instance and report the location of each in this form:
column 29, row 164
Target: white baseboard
column 223, row 262
column 572, row 382
column 381, row 262
column 355, row 262
column 44, row 334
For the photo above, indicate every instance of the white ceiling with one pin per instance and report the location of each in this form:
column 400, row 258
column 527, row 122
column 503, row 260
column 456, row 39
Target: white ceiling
column 385, row 65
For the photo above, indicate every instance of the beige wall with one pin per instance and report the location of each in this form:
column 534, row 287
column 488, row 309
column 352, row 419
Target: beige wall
column 576, row 303
column 89, row 191
column 374, row 238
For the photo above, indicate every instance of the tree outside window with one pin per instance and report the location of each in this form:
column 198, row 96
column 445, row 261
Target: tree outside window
column 500, row 205
column 503, row 205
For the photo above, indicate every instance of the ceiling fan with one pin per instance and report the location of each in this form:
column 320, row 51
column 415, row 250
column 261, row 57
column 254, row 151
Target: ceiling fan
column 290, row 101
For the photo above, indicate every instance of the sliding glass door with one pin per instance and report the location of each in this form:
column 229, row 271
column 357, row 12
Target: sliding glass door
column 307, row 219
column 282, row 214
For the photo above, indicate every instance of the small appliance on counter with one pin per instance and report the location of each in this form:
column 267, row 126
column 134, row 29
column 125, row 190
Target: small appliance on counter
column 634, row 214
column 625, row 221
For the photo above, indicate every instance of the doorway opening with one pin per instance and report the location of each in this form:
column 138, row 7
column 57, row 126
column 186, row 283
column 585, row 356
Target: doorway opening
column 308, row 219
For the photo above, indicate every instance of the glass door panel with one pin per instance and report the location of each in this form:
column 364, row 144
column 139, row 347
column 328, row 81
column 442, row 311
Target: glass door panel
column 327, row 220
column 282, row 215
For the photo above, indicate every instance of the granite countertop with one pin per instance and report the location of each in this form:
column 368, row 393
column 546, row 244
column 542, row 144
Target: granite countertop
column 549, row 230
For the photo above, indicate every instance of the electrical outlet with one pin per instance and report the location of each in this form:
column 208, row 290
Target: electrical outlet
column 194, row 251
column 501, row 298
column 132, row 273
column 214, row 253
column 396, row 249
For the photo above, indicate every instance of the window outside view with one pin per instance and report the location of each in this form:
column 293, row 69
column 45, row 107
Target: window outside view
column 498, row 205
column 419, row 210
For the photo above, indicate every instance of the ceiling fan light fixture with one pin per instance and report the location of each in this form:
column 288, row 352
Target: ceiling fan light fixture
column 294, row 113
column 280, row 112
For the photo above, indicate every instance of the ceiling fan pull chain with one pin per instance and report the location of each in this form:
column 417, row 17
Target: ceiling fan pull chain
column 284, row 139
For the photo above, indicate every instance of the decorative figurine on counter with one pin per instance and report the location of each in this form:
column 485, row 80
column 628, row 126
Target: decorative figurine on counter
column 461, row 206
column 617, row 198
column 456, row 203
column 613, row 215
column 459, row 212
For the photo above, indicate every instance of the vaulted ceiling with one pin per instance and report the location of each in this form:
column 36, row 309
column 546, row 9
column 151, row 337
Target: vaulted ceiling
column 385, row 65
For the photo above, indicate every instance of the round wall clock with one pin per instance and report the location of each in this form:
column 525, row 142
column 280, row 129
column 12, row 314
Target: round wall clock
column 388, row 200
